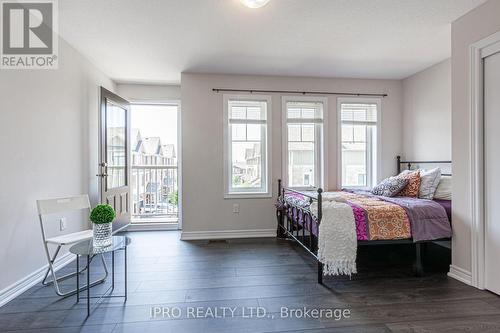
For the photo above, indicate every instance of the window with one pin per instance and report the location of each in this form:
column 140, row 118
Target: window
column 303, row 141
column 246, row 134
column 359, row 120
column 307, row 179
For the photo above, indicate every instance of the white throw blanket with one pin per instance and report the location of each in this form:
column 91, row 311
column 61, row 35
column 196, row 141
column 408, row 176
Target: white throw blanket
column 327, row 196
column 337, row 239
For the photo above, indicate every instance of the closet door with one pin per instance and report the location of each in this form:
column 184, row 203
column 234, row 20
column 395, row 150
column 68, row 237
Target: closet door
column 492, row 171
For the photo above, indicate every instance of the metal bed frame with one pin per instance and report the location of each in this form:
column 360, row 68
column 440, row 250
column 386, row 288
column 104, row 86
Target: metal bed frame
column 293, row 230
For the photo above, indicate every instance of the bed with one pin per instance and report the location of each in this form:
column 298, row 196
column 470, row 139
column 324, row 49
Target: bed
column 378, row 220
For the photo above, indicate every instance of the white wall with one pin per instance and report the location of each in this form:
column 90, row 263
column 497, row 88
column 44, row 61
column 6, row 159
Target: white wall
column 427, row 114
column 145, row 92
column 204, row 208
column 474, row 26
column 48, row 129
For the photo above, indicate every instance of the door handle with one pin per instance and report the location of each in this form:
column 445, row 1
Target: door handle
column 103, row 164
column 102, row 175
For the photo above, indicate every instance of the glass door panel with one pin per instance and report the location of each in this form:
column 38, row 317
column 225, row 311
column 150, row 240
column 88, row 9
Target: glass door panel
column 116, row 143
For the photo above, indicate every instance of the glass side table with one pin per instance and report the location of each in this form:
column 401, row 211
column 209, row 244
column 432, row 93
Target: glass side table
column 87, row 249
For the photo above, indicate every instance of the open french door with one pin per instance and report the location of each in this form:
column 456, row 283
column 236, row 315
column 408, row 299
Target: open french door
column 114, row 157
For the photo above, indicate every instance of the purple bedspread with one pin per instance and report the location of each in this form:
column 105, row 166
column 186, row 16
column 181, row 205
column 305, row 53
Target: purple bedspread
column 429, row 219
column 446, row 205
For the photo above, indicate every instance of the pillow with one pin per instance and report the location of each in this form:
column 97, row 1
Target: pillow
column 429, row 181
column 443, row 190
column 411, row 190
column 390, row 187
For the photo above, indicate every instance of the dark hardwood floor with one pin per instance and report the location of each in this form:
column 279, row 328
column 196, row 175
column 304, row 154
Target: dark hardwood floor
column 267, row 274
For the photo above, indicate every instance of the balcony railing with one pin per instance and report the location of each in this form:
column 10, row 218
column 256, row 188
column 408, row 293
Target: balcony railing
column 154, row 193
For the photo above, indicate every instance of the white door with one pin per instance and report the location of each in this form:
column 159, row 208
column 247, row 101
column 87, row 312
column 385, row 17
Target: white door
column 492, row 171
column 114, row 156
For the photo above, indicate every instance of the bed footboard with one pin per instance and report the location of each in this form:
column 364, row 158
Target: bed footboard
column 280, row 214
column 298, row 223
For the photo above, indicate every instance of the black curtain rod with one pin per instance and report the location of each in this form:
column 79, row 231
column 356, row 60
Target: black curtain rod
column 426, row 162
column 400, row 161
column 298, row 92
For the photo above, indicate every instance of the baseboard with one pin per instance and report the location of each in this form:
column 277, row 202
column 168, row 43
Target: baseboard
column 460, row 274
column 227, row 234
column 19, row 287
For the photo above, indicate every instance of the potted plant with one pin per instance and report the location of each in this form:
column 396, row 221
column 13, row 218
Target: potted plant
column 102, row 217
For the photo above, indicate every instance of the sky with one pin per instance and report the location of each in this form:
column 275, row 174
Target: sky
column 156, row 120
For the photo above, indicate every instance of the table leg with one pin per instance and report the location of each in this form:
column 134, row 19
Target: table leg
column 77, row 278
column 88, row 285
column 113, row 270
column 125, row 273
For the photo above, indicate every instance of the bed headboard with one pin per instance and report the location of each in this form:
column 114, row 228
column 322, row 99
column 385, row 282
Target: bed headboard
column 408, row 165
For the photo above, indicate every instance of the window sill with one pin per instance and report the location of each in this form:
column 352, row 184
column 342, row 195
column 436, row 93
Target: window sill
column 303, row 189
column 247, row 195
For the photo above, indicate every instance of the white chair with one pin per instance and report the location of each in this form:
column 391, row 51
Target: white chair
column 58, row 206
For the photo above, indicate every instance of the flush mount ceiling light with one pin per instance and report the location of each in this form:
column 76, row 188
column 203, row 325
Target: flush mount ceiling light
column 254, row 3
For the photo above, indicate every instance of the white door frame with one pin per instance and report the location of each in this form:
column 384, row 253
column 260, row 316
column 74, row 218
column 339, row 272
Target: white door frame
column 174, row 102
column 478, row 51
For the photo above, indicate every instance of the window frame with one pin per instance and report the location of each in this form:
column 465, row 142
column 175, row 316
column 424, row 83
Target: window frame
column 266, row 190
column 378, row 163
column 321, row 170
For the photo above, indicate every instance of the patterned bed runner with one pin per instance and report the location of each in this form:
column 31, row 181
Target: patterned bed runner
column 385, row 220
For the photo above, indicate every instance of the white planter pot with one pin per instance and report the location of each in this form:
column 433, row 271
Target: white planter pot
column 102, row 234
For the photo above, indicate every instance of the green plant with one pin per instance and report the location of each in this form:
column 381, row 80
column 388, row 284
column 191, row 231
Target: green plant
column 237, row 180
column 173, row 198
column 102, row 214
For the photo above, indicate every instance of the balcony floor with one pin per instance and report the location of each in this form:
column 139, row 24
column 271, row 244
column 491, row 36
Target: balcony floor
column 159, row 219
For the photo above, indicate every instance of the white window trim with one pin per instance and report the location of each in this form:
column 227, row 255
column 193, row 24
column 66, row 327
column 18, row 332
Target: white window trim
column 354, row 100
column 227, row 154
column 322, row 158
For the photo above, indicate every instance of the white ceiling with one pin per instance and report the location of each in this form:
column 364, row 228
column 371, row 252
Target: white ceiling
column 155, row 40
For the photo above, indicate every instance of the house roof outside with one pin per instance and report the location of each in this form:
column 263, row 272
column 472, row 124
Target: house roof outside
column 151, row 145
column 136, row 139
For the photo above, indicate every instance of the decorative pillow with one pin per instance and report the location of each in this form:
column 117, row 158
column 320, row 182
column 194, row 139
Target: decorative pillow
column 429, row 181
column 390, row 187
column 443, row 190
column 411, row 190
